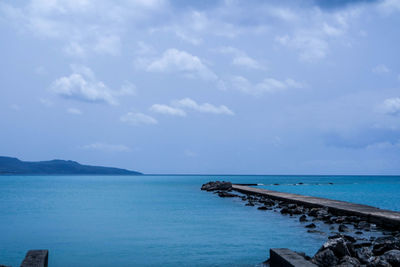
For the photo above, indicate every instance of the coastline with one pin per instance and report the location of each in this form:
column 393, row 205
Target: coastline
column 347, row 244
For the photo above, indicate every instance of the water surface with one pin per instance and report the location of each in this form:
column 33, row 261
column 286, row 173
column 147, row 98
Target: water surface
column 160, row 220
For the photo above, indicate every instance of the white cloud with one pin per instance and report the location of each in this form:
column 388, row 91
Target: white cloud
column 381, row 69
column 391, row 106
column 240, row 58
column 310, row 46
column 168, row 110
column 389, row 6
column 108, row 45
column 205, row 107
column 82, row 85
column 138, row 118
column 106, row 147
column 74, row 111
column 268, row 85
column 174, row 60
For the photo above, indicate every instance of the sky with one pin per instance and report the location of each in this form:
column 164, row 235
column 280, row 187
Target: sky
column 203, row 87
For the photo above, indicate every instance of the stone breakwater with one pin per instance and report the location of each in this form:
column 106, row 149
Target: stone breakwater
column 351, row 241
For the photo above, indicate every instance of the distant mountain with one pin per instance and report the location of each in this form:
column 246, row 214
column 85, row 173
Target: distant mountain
column 15, row 166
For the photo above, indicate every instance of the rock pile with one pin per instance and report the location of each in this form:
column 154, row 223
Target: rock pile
column 218, row 185
column 342, row 250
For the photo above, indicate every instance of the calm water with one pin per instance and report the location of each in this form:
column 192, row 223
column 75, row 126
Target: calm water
column 161, row 220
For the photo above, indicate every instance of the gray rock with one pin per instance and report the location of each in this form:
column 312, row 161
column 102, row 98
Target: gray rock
column 325, row 258
column 343, row 228
column 303, row 218
column 218, row 185
column 392, row 257
column 348, row 261
column 311, row 225
column 378, row 262
column 338, row 246
column 364, row 254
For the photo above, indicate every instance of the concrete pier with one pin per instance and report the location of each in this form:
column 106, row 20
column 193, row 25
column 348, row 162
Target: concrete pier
column 386, row 218
column 36, row 258
column 283, row 257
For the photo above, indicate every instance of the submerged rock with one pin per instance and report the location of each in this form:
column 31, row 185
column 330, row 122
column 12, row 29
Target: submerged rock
column 311, row 225
column 226, row 194
column 343, row 228
column 303, row 218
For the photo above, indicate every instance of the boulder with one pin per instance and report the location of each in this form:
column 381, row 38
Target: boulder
column 325, row 258
column 338, row 246
column 343, row 228
column 303, row 218
column 364, row 254
column 218, row 185
column 348, row 261
column 392, row 257
column 311, row 225
column 226, row 194
column 378, row 262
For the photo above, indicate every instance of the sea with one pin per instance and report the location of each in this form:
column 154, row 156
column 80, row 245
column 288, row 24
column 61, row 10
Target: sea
column 164, row 220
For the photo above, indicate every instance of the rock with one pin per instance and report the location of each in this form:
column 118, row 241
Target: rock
column 348, row 261
column 325, row 258
column 226, row 194
column 363, row 225
column 276, row 184
column 269, row 202
column 385, row 243
column 315, row 232
column 285, row 210
column 358, row 233
column 292, row 206
column 364, row 254
column 218, row 185
column 311, row 225
column 297, row 211
column 263, row 208
column 378, row 262
column 343, row 228
column 303, row 218
column 251, row 204
column 338, row 246
column 392, row 257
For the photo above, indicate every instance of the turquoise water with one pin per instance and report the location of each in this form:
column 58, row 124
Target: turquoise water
column 161, row 220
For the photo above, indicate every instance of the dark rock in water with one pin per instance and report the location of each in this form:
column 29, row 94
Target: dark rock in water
column 364, row 254
column 251, row 204
column 343, row 228
column 392, row 257
column 263, row 208
column 358, row 233
column 378, row 262
column 315, row 232
column 285, row 210
column 325, row 258
column 348, row 261
column 226, row 194
column 311, row 225
column 330, row 183
column 297, row 211
column 292, row 206
column 269, row 202
column 218, row 185
column 363, row 225
column 303, row 218
column 276, row 184
column 338, row 246
column 386, row 243
column 300, row 183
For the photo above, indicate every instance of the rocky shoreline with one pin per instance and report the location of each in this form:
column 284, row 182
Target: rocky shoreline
column 346, row 245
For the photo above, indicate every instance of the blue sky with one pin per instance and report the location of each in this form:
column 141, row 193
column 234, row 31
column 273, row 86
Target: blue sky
column 260, row 87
